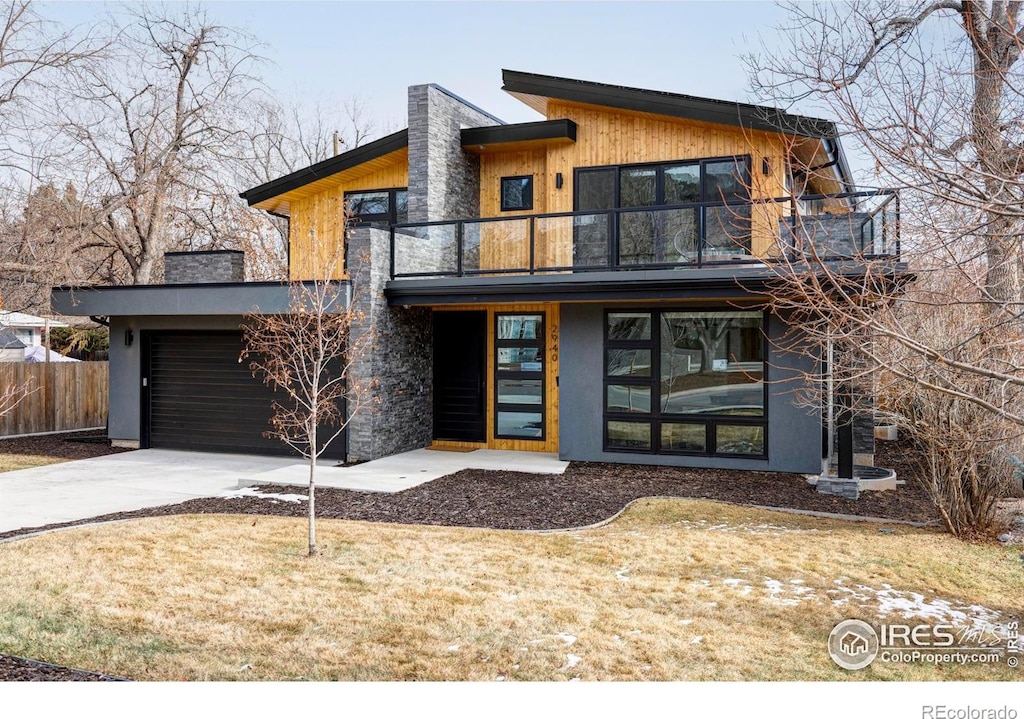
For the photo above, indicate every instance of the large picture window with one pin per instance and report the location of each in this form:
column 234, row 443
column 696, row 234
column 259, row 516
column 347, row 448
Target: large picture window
column 519, row 370
column 685, row 382
column 702, row 205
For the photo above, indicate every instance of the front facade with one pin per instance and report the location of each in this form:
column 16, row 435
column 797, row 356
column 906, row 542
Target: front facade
column 592, row 284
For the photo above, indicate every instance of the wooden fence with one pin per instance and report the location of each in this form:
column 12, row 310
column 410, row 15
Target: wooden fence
column 62, row 396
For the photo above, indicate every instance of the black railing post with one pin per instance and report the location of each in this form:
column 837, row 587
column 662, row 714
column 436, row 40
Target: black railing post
column 533, row 225
column 458, row 248
column 392, row 261
column 613, row 239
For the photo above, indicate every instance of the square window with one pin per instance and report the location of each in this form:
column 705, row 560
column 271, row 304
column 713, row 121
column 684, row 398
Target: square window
column 517, row 193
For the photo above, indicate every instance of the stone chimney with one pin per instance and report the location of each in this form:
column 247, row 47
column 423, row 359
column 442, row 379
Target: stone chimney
column 209, row 266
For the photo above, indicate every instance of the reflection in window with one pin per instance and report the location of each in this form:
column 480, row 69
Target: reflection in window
column 699, row 380
column 520, row 375
column 517, row 193
column 711, row 363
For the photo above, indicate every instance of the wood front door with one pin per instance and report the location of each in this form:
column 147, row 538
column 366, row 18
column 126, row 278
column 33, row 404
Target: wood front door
column 460, row 376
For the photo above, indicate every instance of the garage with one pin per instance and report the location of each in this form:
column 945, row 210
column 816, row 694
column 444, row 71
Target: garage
column 197, row 396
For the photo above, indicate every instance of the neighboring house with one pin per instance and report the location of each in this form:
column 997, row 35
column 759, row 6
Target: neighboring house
column 590, row 284
column 27, row 328
column 12, row 349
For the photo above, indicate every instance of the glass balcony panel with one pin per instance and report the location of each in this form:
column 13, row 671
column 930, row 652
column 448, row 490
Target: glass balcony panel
column 498, row 245
column 726, row 232
column 426, row 250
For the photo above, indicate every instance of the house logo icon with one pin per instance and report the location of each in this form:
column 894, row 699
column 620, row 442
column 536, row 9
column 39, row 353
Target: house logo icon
column 853, row 644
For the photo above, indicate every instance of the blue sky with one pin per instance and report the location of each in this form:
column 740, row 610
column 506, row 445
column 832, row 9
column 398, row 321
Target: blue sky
column 375, row 50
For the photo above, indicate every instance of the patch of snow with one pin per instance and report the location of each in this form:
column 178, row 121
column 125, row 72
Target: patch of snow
column 621, row 574
column 569, row 639
column 732, row 582
column 712, row 604
column 510, row 597
column 453, row 648
column 685, row 622
column 575, row 679
column 253, row 492
column 572, row 661
column 696, row 640
column 499, row 678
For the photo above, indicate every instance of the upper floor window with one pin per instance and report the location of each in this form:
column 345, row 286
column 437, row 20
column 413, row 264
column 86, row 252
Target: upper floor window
column 388, row 206
column 517, row 193
column 666, row 212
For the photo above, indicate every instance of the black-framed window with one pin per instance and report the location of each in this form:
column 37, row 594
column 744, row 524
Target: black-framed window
column 683, row 381
column 519, row 376
column 389, row 206
column 701, row 204
column 517, row 193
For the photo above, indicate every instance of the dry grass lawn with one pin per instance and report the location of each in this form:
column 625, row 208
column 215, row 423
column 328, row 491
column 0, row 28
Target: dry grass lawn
column 673, row 590
column 10, row 462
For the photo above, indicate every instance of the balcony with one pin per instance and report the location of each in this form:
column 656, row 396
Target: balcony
column 857, row 225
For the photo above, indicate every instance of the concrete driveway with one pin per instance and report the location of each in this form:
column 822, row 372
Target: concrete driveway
column 119, row 483
column 87, row 488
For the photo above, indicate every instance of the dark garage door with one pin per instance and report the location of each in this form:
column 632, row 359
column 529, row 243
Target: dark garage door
column 201, row 398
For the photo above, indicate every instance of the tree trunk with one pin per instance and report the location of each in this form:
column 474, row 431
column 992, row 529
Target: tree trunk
column 312, row 505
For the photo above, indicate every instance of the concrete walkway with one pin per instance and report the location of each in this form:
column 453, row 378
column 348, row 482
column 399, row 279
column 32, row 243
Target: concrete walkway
column 409, row 469
column 87, row 488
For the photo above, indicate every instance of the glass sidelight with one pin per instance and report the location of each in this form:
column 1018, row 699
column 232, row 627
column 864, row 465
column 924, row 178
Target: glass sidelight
column 520, row 371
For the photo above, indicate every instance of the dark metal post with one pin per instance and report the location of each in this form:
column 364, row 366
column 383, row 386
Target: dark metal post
column 844, row 423
column 533, row 224
column 458, row 249
column 392, row 260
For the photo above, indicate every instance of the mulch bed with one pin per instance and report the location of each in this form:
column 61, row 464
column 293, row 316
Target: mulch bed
column 587, row 493
column 63, row 445
column 17, row 669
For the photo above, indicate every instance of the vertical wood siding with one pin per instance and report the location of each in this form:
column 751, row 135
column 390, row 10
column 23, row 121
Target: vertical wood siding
column 316, row 231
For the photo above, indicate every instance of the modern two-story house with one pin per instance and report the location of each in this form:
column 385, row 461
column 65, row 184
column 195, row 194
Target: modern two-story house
column 594, row 283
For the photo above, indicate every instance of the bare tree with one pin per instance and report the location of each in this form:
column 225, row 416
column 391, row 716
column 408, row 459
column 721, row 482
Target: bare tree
column 932, row 92
column 35, row 54
column 307, row 355
column 147, row 132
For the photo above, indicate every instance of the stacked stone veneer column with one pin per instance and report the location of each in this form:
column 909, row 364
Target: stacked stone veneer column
column 185, row 268
column 396, row 374
column 444, row 180
column 444, row 184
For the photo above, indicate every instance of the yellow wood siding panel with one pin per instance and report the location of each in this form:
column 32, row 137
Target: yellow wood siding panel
column 506, row 245
column 551, row 346
column 316, row 229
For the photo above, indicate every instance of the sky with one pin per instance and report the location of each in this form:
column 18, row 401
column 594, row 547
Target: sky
column 331, row 50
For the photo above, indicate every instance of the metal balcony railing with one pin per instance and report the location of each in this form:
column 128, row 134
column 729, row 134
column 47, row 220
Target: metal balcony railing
column 855, row 225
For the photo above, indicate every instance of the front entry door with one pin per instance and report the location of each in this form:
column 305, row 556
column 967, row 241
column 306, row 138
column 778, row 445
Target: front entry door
column 460, row 376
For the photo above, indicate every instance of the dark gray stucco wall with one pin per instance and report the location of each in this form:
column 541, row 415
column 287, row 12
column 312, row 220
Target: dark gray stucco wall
column 794, row 433
column 126, row 366
column 444, row 180
column 395, row 375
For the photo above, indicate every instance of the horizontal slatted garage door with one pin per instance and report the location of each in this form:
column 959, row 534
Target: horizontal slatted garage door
column 202, row 398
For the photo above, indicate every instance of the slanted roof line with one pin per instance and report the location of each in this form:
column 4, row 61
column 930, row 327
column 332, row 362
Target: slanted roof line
column 325, row 168
column 659, row 102
column 466, row 102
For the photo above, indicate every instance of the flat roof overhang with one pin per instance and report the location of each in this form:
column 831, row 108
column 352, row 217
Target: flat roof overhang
column 520, row 136
column 237, row 298
column 753, row 283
